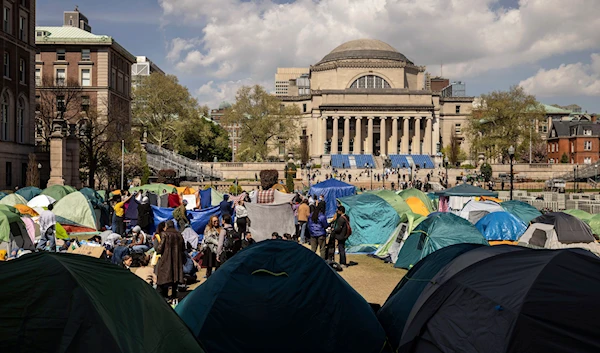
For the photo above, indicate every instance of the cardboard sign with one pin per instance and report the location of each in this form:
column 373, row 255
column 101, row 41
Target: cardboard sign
column 93, row 251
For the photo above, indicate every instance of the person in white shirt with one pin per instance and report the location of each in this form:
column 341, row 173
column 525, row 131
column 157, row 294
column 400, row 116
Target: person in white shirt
column 241, row 215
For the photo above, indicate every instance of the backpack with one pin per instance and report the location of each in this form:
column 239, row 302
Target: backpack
column 349, row 230
column 231, row 244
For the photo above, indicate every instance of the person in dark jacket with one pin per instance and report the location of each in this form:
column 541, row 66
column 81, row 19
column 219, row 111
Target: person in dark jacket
column 247, row 240
column 226, row 206
column 169, row 270
column 145, row 215
column 340, row 235
column 317, row 225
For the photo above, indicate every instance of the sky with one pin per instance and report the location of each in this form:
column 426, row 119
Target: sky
column 550, row 47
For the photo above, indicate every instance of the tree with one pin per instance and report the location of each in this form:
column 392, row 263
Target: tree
column 159, row 102
column 200, row 138
column 564, row 158
column 453, row 151
column 53, row 93
column 486, row 171
column 505, row 118
column 539, row 152
column 33, row 173
column 290, row 174
column 167, row 176
column 263, row 122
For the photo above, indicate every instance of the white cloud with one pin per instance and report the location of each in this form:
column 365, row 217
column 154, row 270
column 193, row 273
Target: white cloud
column 214, row 93
column 243, row 40
column 577, row 79
column 179, row 45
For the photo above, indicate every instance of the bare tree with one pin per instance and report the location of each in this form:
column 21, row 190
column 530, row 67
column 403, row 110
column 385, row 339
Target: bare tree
column 33, row 174
column 53, row 93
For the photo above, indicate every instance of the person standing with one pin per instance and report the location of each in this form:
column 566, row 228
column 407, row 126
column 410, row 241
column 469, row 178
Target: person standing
column 226, row 206
column 241, row 215
column 169, row 270
column 317, row 225
column 145, row 215
column 210, row 243
column 247, row 240
column 303, row 214
column 340, row 235
column 120, row 216
column 47, row 222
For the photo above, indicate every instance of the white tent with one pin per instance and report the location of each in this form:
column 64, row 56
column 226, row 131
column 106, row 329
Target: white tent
column 41, row 201
column 540, row 235
column 473, row 210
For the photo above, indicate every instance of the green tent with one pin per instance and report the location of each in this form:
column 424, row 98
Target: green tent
column 57, row 192
column 389, row 250
column 6, row 219
column 396, row 201
column 438, row 231
column 10, row 209
column 215, row 197
column 155, row 188
column 582, row 215
column 29, row 192
column 102, row 194
column 75, row 209
column 372, row 220
column 79, row 303
column 521, row 210
column 412, row 192
column 13, row 199
column 594, row 223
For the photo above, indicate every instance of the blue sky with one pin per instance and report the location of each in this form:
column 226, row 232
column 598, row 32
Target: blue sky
column 216, row 46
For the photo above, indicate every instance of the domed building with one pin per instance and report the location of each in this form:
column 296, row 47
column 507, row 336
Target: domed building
column 367, row 98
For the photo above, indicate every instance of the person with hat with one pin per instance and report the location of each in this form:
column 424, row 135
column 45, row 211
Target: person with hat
column 139, row 243
column 145, row 215
column 180, row 215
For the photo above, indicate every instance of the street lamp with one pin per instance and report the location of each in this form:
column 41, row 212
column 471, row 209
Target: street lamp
column 371, row 173
column 446, row 165
column 511, row 154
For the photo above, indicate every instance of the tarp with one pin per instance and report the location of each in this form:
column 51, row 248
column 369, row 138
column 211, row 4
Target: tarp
column 57, row 192
column 412, row 192
column 216, row 197
column 79, row 303
column 521, row 209
column 396, row 201
column 286, row 299
column 75, row 209
column 372, row 219
column 417, row 206
column 466, row 190
column 582, row 215
column 199, row 218
column 29, row 192
column 499, row 226
column 206, row 198
column 438, row 231
column 191, row 201
column 473, row 210
column 282, row 197
column 332, row 189
column 266, row 219
column 394, row 313
column 13, row 199
column 10, row 209
column 155, row 188
column 41, row 201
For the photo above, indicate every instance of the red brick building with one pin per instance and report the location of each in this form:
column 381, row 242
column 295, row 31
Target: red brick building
column 578, row 140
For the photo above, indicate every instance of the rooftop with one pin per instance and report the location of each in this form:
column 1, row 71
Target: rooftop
column 67, row 34
column 365, row 49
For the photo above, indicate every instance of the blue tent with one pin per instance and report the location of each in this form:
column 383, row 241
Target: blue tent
column 278, row 296
column 198, row 221
column 498, row 226
column 394, row 313
column 332, row 189
column 372, row 220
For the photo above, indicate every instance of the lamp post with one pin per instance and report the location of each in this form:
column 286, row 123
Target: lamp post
column 371, row 173
column 211, row 175
column 511, row 154
column 446, row 165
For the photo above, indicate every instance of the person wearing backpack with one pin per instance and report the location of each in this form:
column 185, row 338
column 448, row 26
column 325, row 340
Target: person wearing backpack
column 341, row 233
column 230, row 241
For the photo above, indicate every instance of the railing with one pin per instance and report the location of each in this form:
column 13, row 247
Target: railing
column 161, row 158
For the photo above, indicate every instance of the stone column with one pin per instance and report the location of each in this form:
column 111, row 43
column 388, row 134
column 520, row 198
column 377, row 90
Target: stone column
column 369, row 146
column 358, row 136
column 346, row 141
column 416, row 147
column 427, row 140
column 436, row 135
column 58, row 152
column 394, row 149
column 405, row 135
column 334, row 137
column 383, row 136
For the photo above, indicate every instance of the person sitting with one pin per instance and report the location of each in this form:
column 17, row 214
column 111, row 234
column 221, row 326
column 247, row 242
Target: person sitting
column 275, row 236
column 146, row 272
column 119, row 252
column 180, row 215
column 287, row 236
column 126, row 262
column 139, row 242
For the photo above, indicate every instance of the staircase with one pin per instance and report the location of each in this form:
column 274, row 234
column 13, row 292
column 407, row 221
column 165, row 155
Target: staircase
column 161, row 158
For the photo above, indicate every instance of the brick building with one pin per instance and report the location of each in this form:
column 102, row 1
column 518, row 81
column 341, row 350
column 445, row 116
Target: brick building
column 17, row 91
column 578, row 140
column 232, row 130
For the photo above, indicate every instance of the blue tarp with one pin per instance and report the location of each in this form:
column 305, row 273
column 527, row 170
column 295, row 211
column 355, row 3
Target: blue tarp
column 205, row 198
column 498, row 226
column 332, row 189
column 199, row 218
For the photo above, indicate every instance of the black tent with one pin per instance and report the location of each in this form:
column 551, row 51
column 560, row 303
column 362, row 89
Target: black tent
column 569, row 229
column 509, row 299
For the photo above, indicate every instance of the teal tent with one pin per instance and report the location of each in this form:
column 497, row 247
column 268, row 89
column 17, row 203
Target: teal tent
column 405, row 194
column 93, row 196
column 521, row 209
column 75, row 209
column 372, row 219
column 389, row 251
column 29, row 192
column 77, row 303
column 57, row 192
column 2, row 195
column 396, row 201
column 438, row 231
column 465, row 190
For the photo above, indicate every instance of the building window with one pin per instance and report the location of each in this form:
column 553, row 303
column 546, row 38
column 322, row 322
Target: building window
column 458, row 109
column 9, row 174
column 304, row 107
column 127, row 86
column 61, row 55
column 7, row 20
column 545, row 129
column 281, row 147
column 21, row 121
column 86, row 78
column 4, row 115
column 370, row 81
column 113, row 78
column 38, row 100
column 22, row 28
column 552, row 148
column 572, row 147
column 587, row 145
column 38, row 77
column 457, row 129
column 22, row 70
column 587, row 160
column 85, row 55
column 85, row 103
column 60, row 101
column 6, row 64
column 587, row 132
column 60, row 76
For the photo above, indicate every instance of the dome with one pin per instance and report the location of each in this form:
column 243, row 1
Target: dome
column 365, row 49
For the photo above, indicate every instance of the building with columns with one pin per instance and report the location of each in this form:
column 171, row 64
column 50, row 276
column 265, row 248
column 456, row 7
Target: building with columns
column 366, row 98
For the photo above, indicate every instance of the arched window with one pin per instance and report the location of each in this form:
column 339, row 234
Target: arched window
column 21, row 121
column 370, row 81
column 4, row 114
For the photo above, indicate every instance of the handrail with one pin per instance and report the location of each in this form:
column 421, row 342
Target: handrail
column 163, row 158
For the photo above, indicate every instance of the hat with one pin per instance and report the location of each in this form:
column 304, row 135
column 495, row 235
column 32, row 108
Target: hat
column 136, row 229
column 185, row 202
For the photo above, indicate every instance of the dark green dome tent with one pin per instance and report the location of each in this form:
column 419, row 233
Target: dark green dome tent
column 29, row 192
column 278, row 296
column 76, row 303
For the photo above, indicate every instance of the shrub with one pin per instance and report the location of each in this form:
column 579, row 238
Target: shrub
column 486, row 171
column 166, row 176
column 233, row 190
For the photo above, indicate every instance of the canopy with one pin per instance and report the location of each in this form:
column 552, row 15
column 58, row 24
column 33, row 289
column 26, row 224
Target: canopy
column 155, row 188
column 266, row 219
column 198, row 221
column 93, row 196
column 13, row 199
column 412, row 192
column 29, row 192
column 75, row 209
column 396, row 201
column 332, row 189
column 508, row 299
column 41, row 201
column 417, row 206
column 372, row 220
column 79, row 303
column 473, row 210
column 438, row 231
column 466, row 190
column 292, row 302
column 394, row 313
column 582, row 215
column 521, row 209
column 57, row 192
column 499, row 226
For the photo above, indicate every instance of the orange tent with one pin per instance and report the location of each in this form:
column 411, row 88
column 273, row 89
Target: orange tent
column 417, row 206
column 185, row 190
column 489, row 198
column 26, row 210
